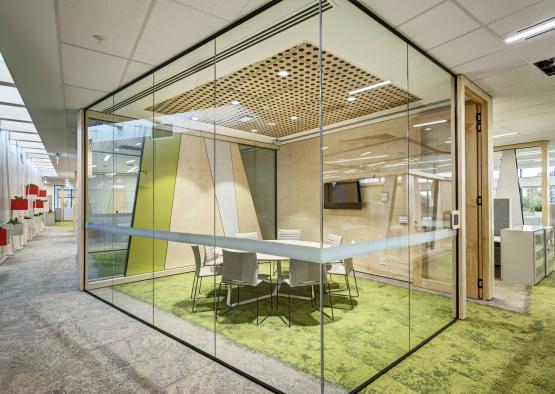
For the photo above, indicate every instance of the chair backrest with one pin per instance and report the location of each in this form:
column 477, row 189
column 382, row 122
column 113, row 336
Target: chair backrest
column 334, row 240
column 253, row 235
column 209, row 254
column 304, row 273
column 198, row 261
column 289, row 234
column 348, row 263
column 240, row 268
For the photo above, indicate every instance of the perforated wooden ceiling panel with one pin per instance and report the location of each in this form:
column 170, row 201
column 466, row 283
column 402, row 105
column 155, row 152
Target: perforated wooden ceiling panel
column 257, row 98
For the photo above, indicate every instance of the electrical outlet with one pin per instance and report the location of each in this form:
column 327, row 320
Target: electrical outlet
column 383, row 260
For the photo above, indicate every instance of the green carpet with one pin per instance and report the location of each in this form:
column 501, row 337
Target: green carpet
column 493, row 351
column 65, row 223
column 358, row 343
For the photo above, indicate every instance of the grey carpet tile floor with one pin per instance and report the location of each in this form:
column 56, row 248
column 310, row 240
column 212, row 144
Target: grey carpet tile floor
column 56, row 339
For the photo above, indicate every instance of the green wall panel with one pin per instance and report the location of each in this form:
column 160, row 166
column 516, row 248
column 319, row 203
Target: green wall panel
column 154, row 201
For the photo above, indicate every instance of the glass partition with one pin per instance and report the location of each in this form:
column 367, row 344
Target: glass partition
column 280, row 196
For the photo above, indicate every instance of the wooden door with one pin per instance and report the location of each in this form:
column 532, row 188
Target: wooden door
column 473, row 186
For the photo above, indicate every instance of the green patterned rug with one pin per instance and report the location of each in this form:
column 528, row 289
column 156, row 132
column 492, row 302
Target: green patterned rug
column 493, row 351
column 358, row 343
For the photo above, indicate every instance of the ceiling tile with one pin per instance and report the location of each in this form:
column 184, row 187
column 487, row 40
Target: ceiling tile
column 227, row 10
column 394, row 14
column 524, row 18
column 16, row 113
column 135, row 69
column 503, row 60
column 165, row 33
column 119, row 22
column 428, row 33
column 250, row 7
column 537, row 48
column 468, row 47
column 77, row 98
column 89, row 69
column 487, row 11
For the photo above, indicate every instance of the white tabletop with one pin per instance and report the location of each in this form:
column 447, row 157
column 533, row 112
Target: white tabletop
column 269, row 257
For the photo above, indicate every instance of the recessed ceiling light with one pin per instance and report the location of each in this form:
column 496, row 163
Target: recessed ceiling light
column 194, row 118
column 130, row 161
column 245, row 119
column 370, row 87
column 325, row 147
column 430, row 123
column 107, row 157
column 427, row 129
column 351, row 99
column 532, row 31
column 504, row 135
column 271, row 124
column 235, row 102
column 254, row 131
column 283, row 73
column 294, row 117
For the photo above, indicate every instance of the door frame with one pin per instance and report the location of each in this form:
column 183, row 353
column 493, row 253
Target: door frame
column 544, row 147
column 465, row 88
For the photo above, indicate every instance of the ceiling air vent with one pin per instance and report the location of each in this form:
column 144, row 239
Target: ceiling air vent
column 547, row 66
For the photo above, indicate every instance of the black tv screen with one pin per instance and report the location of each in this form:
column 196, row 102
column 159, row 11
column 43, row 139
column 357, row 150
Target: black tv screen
column 342, row 195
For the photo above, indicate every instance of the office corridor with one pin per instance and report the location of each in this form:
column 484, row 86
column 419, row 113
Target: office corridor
column 54, row 338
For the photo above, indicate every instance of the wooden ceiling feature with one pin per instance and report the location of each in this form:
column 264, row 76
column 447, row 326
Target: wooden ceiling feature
column 267, row 102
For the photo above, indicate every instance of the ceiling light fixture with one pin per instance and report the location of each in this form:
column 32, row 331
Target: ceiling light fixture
column 130, row 161
column 294, row 117
column 531, row 31
column 271, row 124
column 427, row 129
column 365, row 153
column 106, row 158
column 430, row 123
column 504, row 135
column 194, row 118
column 254, row 131
column 283, row 73
column 132, row 169
column 370, row 87
column 245, row 119
column 325, row 147
column 351, row 99
column 235, row 102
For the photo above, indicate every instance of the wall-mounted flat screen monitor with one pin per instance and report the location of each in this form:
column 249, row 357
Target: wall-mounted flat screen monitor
column 342, row 195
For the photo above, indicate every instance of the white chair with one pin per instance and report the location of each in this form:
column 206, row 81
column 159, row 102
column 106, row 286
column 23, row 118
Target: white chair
column 253, row 235
column 201, row 272
column 344, row 268
column 334, row 240
column 241, row 269
column 302, row 274
column 289, row 234
column 210, row 257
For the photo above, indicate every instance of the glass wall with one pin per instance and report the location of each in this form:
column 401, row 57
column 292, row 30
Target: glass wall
column 280, row 197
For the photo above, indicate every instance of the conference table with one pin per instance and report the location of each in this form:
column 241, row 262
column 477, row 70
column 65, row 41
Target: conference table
column 269, row 258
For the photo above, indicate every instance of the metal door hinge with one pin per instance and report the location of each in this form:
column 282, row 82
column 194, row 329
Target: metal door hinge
column 480, row 284
column 479, row 200
column 479, row 122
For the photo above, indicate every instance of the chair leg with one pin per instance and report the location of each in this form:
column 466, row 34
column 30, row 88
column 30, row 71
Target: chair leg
column 271, row 296
column 195, row 296
column 331, row 301
column 200, row 287
column 349, row 289
column 218, row 299
column 257, row 305
column 289, row 306
column 194, row 281
column 356, row 284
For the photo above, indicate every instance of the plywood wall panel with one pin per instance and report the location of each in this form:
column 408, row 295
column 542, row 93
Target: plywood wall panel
column 246, row 213
column 193, row 207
